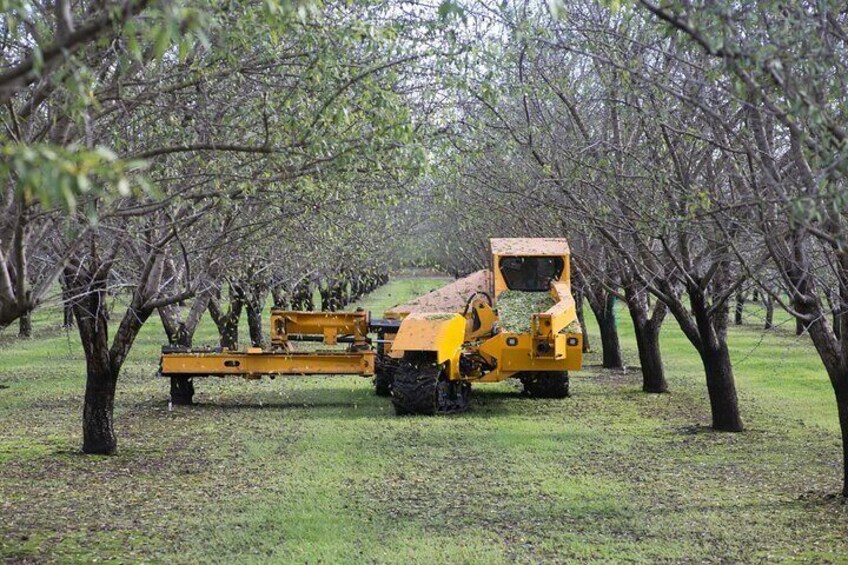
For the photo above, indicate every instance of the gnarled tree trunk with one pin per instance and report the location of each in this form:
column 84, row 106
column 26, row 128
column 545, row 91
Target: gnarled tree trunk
column 715, row 356
column 98, row 428
column 721, row 388
column 578, row 306
column 181, row 333
column 101, row 377
column 254, row 322
column 302, row 297
column 740, row 308
column 842, row 409
column 603, row 306
column 103, row 363
column 647, row 328
column 228, row 322
column 25, row 325
column 280, row 297
column 325, row 291
column 833, row 352
column 768, row 302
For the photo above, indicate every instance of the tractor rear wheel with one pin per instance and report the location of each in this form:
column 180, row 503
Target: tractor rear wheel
column 384, row 376
column 453, row 396
column 420, row 388
column 545, row 384
column 182, row 391
column 416, row 390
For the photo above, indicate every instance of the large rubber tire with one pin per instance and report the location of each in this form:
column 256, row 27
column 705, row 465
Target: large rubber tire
column 545, row 384
column 422, row 389
column 415, row 389
column 453, row 396
column 384, row 376
column 182, row 391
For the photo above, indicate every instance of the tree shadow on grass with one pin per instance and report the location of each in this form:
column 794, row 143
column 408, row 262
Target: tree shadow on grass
column 270, row 406
column 486, row 401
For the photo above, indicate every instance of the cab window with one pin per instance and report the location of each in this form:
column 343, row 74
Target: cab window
column 531, row 273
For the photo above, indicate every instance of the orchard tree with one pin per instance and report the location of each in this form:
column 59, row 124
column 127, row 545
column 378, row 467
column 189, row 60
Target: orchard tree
column 232, row 110
column 786, row 65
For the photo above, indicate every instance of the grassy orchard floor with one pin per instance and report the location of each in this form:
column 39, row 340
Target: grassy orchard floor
column 319, row 469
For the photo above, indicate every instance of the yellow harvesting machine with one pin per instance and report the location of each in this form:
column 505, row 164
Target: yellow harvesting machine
column 515, row 320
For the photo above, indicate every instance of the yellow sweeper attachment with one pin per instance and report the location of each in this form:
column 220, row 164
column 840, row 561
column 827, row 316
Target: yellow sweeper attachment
column 516, row 320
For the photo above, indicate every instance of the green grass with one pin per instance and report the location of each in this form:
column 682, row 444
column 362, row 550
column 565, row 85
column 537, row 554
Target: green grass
column 313, row 469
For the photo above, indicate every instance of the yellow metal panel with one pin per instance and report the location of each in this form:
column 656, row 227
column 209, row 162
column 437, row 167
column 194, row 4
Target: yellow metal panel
column 442, row 333
column 521, row 356
column 268, row 363
column 481, row 311
column 574, row 353
column 327, row 324
column 564, row 311
column 547, row 327
column 387, row 346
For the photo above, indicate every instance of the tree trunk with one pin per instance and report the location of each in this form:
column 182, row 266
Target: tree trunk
column 611, row 348
column 97, row 427
column 228, row 332
column 842, row 408
column 721, row 387
column 799, row 326
column 254, row 323
column 68, row 322
column 578, row 306
column 182, row 391
column 769, row 304
column 650, row 358
column 326, row 298
column 179, row 334
column 302, row 298
column 708, row 334
column 280, row 297
column 355, row 287
column 228, row 323
column 339, row 295
column 175, row 329
column 25, row 325
column 740, row 308
column 101, row 374
column 832, row 352
column 647, row 331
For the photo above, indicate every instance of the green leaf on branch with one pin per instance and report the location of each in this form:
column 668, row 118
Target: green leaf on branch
column 57, row 177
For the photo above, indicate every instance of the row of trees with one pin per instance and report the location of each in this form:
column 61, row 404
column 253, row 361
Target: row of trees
column 692, row 152
column 177, row 158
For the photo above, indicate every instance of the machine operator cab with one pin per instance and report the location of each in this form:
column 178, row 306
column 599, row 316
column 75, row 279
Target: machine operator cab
column 529, row 265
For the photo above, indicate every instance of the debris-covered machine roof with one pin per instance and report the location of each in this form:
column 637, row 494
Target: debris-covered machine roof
column 530, row 246
column 449, row 298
